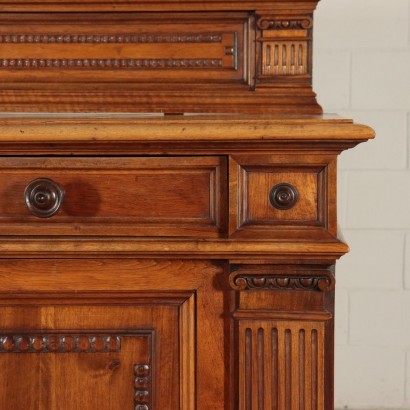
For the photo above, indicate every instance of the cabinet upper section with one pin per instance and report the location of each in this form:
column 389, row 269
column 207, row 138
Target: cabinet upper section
column 167, row 57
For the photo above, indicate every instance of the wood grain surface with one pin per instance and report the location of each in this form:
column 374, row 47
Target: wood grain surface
column 183, row 305
column 93, row 57
column 169, row 196
column 169, row 278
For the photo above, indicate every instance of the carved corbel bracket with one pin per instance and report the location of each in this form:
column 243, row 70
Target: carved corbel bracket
column 310, row 280
column 271, row 22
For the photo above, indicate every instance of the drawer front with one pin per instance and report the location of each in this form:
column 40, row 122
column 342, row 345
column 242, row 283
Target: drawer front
column 152, row 196
column 283, row 196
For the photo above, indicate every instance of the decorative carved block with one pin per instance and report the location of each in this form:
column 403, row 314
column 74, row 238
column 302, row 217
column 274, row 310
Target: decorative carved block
column 278, row 23
column 313, row 280
column 60, row 343
column 142, row 386
column 282, row 365
column 284, row 58
column 285, row 48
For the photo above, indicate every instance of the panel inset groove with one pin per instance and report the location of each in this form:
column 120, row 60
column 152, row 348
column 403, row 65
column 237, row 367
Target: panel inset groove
column 288, row 369
column 248, row 369
column 302, row 369
column 287, row 375
column 314, row 341
column 275, row 361
column 261, row 373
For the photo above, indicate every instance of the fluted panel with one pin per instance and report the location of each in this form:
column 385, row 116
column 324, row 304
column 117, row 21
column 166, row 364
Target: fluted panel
column 281, row 365
column 284, row 58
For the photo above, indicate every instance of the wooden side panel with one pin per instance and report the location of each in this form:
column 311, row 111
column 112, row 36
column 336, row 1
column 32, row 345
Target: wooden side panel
column 284, row 322
column 282, row 365
column 167, row 196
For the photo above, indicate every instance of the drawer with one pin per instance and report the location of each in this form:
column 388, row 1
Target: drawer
column 149, row 196
column 283, row 196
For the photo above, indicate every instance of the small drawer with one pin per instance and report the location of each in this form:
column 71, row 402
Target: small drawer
column 283, row 196
column 149, row 196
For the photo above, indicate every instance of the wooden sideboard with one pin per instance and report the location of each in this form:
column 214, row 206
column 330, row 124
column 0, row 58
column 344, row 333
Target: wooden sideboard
column 162, row 262
column 189, row 263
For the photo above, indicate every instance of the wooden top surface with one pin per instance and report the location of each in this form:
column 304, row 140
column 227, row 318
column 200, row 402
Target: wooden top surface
column 148, row 5
column 176, row 248
column 144, row 127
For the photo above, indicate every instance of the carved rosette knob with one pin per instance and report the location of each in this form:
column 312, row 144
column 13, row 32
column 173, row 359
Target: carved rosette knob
column 43, row 197
column 283, row 196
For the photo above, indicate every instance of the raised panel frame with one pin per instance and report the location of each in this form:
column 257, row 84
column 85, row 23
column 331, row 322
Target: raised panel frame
column 196, row 292
column 131, row 205
column 317, row 223
column 94, row 49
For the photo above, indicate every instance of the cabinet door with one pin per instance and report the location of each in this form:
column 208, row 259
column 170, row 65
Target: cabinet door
column 112, row 335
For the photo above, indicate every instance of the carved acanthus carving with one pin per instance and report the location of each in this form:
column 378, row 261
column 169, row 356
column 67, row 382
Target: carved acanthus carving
column 142, row 383
column 322, row 281
column 277, row 23
column 60, row 343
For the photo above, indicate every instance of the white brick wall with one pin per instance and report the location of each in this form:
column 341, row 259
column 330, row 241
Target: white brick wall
column 362, row 71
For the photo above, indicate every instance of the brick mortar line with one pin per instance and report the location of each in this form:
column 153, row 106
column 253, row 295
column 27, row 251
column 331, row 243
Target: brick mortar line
column 408, row 140
column 404, row 247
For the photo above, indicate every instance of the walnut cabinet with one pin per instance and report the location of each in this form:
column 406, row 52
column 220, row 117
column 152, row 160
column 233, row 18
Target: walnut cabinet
column 190, row 272
column 183, row 261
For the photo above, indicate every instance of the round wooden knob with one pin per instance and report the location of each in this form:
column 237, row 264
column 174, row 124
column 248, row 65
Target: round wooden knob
column 43, row 197
column 283, row 196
